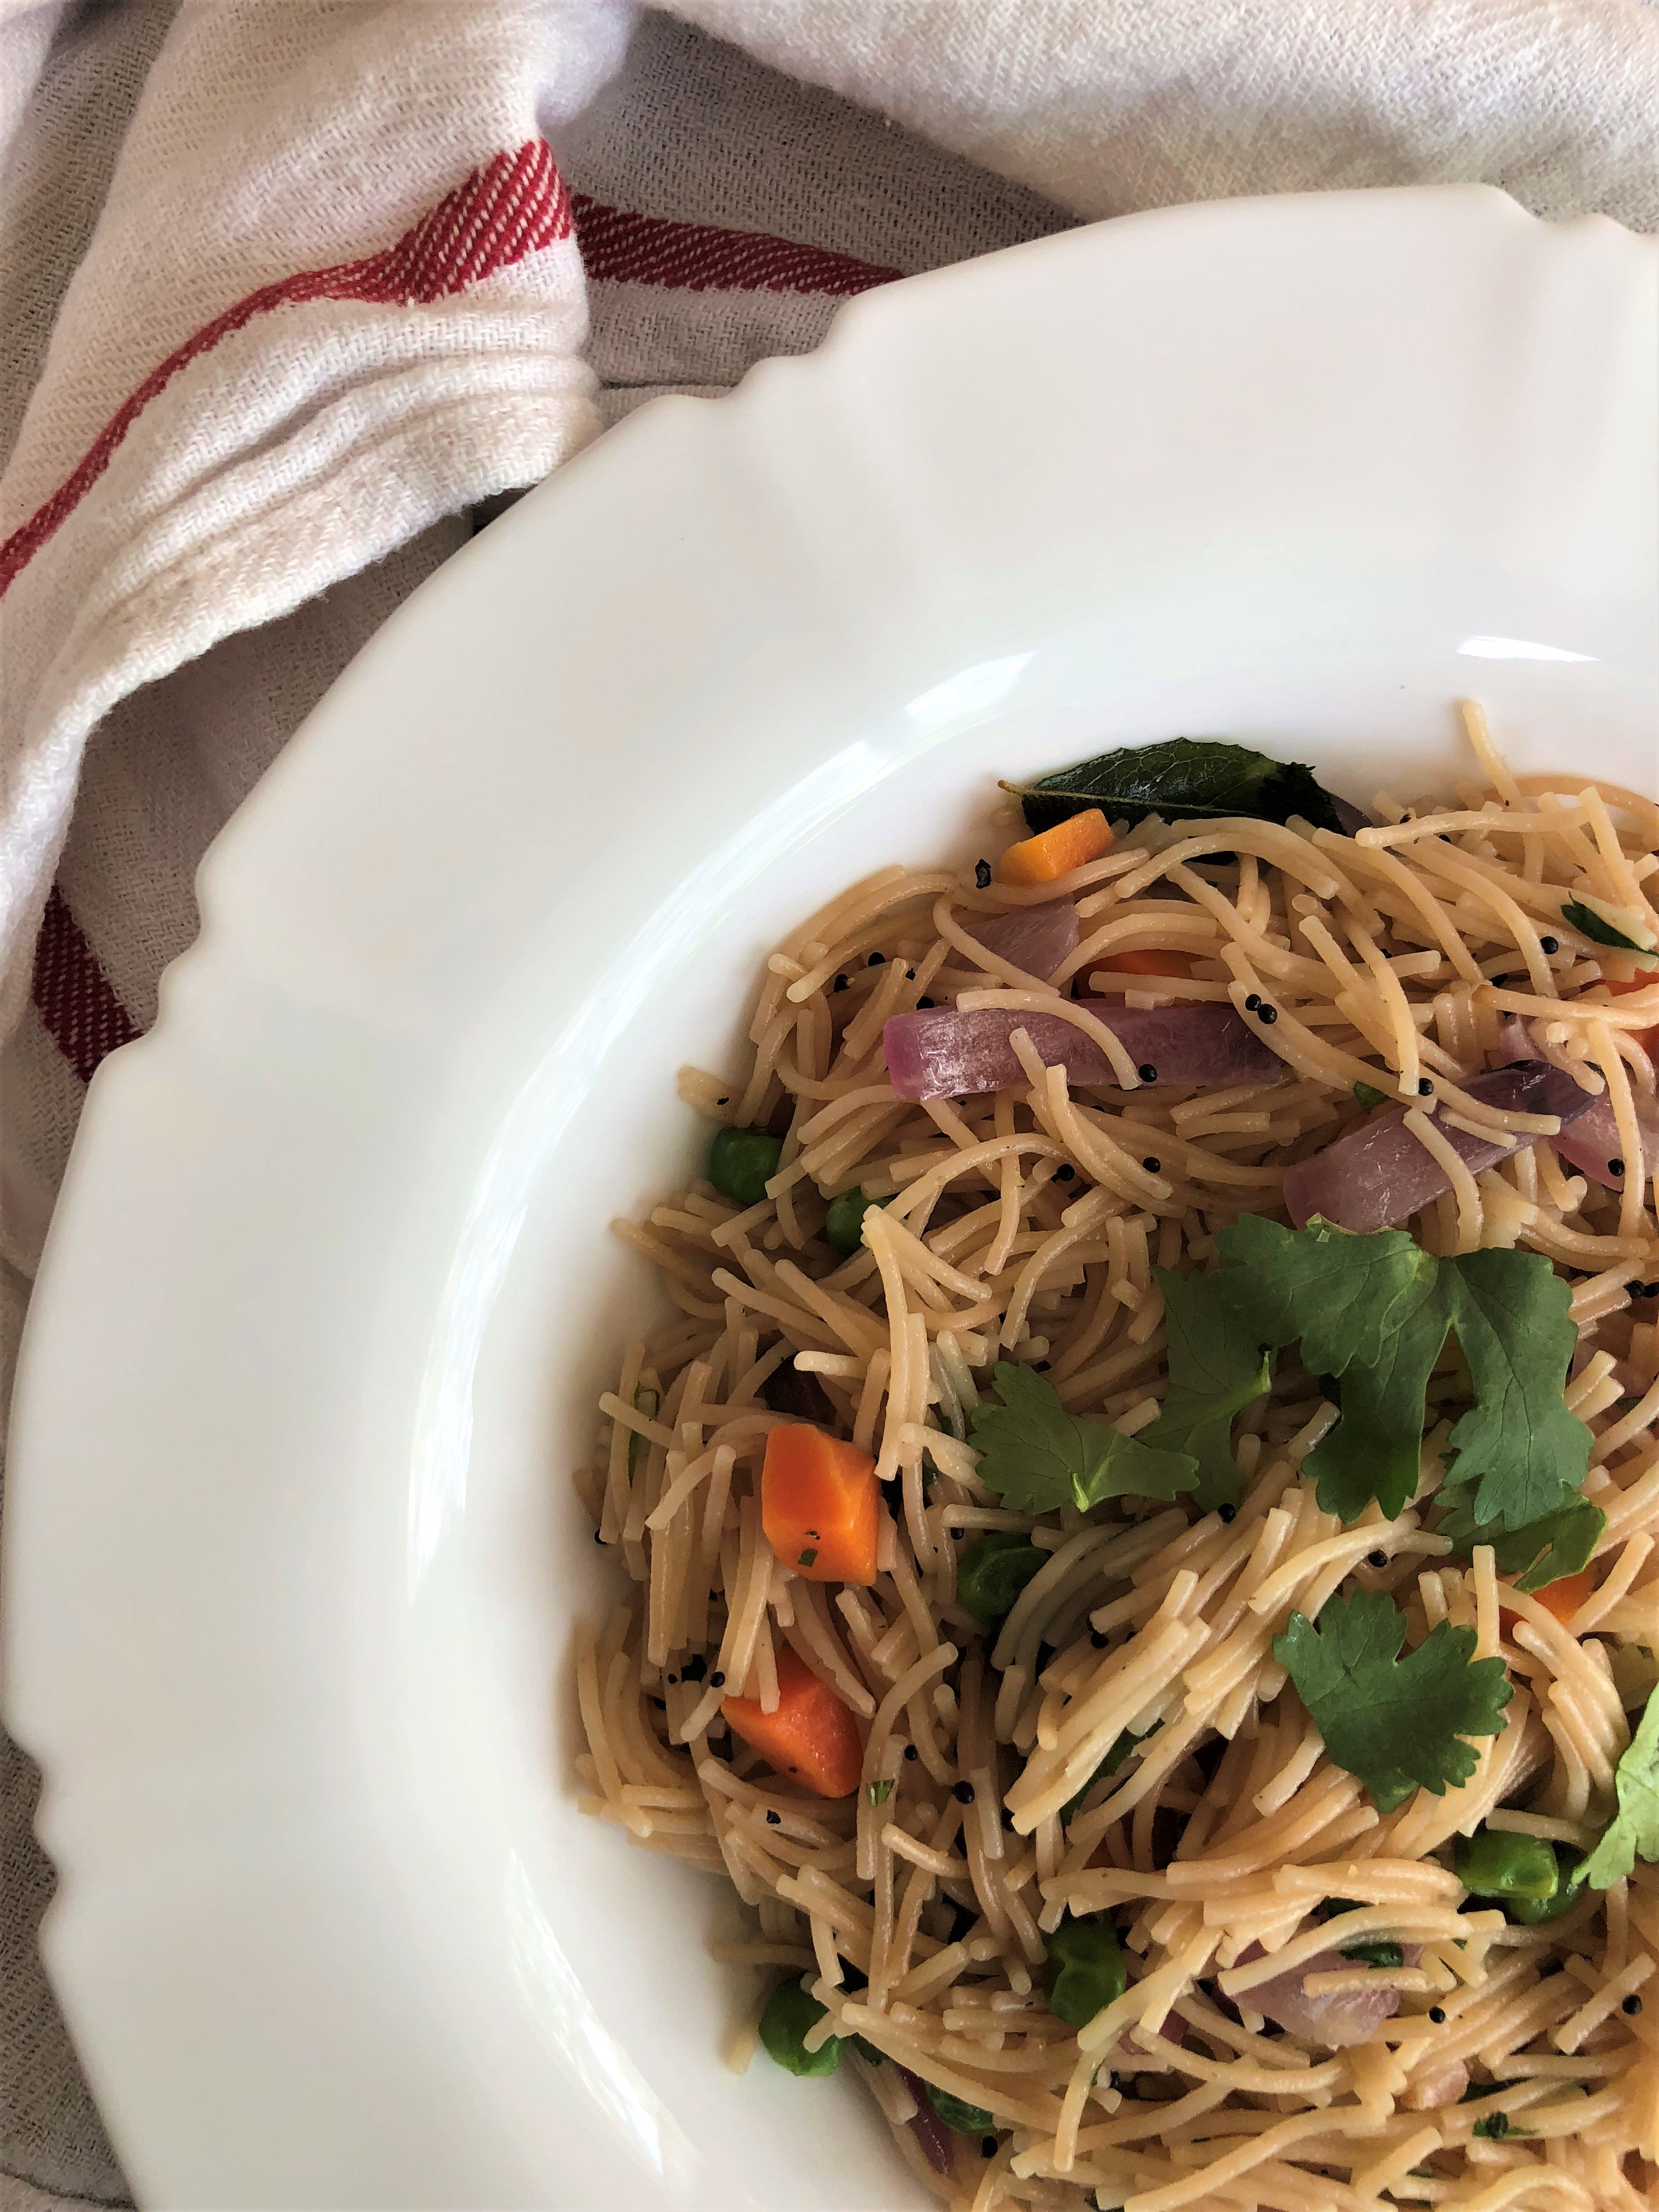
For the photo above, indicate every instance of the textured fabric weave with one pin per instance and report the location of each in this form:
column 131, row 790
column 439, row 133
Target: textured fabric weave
column 289, row 287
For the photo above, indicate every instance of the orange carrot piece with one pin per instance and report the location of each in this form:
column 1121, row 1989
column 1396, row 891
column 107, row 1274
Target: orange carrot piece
column 1054, row 852
column 1139, row 960
column 818, row 1505
column 812, row 1738
column 1563, row 1599
column 1648, row 1039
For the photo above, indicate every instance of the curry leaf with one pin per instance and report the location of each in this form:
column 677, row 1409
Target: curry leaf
column 1183, row 780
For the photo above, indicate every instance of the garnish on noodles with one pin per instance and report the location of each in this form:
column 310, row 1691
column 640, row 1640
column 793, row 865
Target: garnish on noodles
column 1140, row 1529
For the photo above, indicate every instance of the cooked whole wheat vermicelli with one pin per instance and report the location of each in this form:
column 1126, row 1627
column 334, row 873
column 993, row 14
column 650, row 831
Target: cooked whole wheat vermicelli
column 1513, row 2064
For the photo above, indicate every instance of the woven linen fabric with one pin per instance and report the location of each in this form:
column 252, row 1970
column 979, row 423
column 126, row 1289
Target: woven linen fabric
column 292, row 291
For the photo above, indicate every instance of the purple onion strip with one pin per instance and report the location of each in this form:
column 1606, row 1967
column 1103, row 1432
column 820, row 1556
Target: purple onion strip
column 1379, row 1174
column 943, row 1053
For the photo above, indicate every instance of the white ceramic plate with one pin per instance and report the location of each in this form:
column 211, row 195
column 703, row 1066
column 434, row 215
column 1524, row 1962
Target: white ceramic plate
column 292, row 1553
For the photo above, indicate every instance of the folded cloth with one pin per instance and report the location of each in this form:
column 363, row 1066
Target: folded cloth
column 292, row 285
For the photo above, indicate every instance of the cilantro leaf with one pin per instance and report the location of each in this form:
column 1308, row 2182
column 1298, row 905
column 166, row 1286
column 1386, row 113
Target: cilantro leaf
column 1397, row 1724
column 1537, row 1553
column 1375, row 1311
column 1366, row 1308
column 1635, row 1833
column 1370, row 1095
column 1520, row 1441
column 1217, row 1366
column 1184, row 779
column 1036, row 1456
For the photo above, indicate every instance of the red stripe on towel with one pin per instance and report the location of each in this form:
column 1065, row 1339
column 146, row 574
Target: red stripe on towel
column 510, row 207
column 621, row 247
column 82, row 1015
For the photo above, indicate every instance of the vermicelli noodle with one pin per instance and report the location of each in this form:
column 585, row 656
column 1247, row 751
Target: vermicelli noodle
column 1520, row 2065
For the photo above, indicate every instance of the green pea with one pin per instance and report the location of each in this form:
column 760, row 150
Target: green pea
column 1534, row 1912
column 844, row 1223
column 1492, row 1864
column 1375, row 1951
column 791, row 2011
column 967, row 2119
column 1085, row 1972
column 741, row 1161
column 992, row 1572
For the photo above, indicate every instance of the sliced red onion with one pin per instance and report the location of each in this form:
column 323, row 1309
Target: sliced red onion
column 1514, row 1043
column 1335, row 2020
column 1379, row 1174
column 1037, row 939
column 925, row 2123
column 942, row 1053
column 1124, row 2052
column 1433, row 2091
column 1593, row 1143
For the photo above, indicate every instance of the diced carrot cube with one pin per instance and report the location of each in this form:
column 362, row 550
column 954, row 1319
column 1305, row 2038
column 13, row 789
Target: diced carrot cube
column 1648, row 1039
column 818, row 1505
column 1563, row 1599
column 1144, row 960
column 812, row 1738
column 1054, row 852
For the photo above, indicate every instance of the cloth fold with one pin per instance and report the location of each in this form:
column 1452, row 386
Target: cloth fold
column 291, row 290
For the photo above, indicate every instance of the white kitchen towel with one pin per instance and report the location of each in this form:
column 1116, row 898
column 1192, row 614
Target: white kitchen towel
column 286, row 286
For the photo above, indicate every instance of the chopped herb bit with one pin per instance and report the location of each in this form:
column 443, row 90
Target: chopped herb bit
column 1036, row 1456
column 1615, row 925
column 1369, row 1095
column 879, row 1792
column 1494, row 2127
column 1115, row 1757
column 807, row 1558
column 1397, row 1724
column 1376, row 1951
column 964, row 2118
